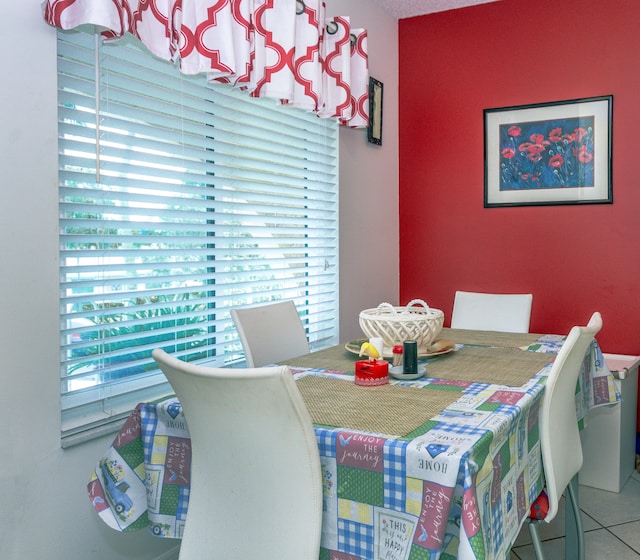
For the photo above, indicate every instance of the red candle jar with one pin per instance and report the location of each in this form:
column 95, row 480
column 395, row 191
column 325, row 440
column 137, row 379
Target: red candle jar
column 371, row 373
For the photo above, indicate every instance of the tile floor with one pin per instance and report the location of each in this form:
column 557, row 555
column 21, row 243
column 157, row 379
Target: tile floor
column 611, row 525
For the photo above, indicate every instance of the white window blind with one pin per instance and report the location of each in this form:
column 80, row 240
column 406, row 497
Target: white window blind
column 178, row 201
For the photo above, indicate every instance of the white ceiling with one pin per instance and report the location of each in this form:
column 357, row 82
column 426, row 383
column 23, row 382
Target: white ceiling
column 409, row 8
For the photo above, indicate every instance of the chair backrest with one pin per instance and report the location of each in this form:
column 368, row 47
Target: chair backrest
column 492, row 312
column 256, row 483
column 270, row 333
column 559, row 432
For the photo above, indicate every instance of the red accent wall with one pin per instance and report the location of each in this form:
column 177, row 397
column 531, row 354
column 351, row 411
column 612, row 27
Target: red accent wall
column 575, row 259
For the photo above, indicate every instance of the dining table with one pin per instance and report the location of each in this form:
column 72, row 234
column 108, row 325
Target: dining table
column 443, row 466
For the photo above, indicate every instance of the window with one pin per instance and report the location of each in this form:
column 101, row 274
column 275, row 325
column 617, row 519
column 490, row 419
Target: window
column 178, row 201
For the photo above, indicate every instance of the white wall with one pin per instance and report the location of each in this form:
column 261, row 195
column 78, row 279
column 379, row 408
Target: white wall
column 369, row 233
column 44, row 509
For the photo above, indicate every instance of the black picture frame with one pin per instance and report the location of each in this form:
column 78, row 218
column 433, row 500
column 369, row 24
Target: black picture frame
column 549, row 153
column 374, row 130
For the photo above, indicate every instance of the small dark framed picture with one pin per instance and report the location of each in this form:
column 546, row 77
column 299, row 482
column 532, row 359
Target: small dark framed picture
column 549, row 153
column 374, row 130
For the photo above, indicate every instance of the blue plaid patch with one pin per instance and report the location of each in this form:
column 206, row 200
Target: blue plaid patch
column 149, row 422
column 476, row 388
column 509, row 409
column 535, row 490
column 326, row 441
column 497, row 532
column 395, row 474
column 183, row 503
column 355, row 538
column 461, row 429
column 536, row 390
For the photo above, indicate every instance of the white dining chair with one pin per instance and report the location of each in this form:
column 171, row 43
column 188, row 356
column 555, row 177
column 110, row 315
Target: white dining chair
column 560, row 436
column 256, row 483
column 270, row 333
column 492, row 312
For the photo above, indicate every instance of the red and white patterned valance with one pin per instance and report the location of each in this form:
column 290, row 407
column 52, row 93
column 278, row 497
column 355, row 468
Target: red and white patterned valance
column 284, row 49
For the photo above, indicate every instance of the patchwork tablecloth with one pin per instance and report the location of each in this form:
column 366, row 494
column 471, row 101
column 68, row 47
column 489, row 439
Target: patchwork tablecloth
column 459, row 485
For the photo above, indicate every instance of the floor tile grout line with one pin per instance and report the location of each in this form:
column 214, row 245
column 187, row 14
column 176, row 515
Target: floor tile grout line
column 622, row 523
column 623, row 541
column 599, row 525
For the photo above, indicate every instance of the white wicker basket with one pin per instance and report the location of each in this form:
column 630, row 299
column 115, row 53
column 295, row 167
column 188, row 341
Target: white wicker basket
column 397, row 324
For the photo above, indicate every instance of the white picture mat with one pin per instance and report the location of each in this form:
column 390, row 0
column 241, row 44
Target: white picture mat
column 599, row 109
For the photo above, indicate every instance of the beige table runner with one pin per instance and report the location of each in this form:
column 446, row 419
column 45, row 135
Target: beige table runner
column 488, row 338
column 387, row 409
column 501, row 366
column 498, row 365
column 335, row 357
column 338, row 358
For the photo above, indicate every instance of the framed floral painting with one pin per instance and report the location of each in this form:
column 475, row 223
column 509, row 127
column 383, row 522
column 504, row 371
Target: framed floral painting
column 548, row 153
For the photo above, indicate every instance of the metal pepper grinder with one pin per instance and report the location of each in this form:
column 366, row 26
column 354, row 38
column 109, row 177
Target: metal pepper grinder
column 410, row 356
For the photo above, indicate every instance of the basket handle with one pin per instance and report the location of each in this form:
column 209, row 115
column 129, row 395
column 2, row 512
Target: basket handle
column 417, row 301
column 387, row 308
